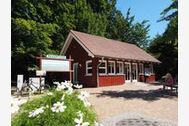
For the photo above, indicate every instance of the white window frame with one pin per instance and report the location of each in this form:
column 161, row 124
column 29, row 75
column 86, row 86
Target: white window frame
column 118, row 72
column 113, row 68
column 87, row 68
column 141, row 68
column 103, row 61
column 151, row 67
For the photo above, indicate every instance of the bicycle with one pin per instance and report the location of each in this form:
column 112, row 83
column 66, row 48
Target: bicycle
column 31, row 87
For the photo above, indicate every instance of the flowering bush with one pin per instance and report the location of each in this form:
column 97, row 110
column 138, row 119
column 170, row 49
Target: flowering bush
column 60, row 107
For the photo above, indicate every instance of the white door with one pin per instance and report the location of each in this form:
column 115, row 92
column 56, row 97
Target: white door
column 75, row 73
column 127, row 70
column 134, row 73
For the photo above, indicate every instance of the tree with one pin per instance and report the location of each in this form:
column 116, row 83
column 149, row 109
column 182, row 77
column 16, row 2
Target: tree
column 165, row 46
column 41, row 27
column 124, row 29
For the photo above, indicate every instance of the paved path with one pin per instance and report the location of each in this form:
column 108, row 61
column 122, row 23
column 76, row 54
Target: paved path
column 134, row 119
column 142, row 99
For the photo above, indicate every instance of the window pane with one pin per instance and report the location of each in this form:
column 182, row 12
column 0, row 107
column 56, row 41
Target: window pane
column 102, row 71
column 89, row 64
column 111, row 67
column 89, row 71
column 140, row 68
column 120, row 68
column 117, row 69
column 102, row 64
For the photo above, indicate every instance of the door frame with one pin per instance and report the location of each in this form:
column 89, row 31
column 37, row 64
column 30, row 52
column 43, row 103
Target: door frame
column 75, row 81
column 128, row 63
column 136, row 80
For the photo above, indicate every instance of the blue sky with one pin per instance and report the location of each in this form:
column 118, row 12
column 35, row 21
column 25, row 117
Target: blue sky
column 146, row 10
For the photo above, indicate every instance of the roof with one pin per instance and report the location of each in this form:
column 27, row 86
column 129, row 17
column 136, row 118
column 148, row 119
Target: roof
column 103, row 47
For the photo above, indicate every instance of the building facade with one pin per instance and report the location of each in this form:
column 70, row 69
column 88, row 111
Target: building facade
column 100, row 61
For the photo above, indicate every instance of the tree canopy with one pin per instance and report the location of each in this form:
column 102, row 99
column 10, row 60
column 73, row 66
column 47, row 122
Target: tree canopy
column 41, row 27
column 165, row 46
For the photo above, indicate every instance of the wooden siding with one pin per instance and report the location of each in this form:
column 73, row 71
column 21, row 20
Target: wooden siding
column 80, row 56
column 109, row 80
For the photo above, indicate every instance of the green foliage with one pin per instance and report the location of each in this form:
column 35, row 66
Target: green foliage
column 170, row 12
column 165, row 46
column 49, row 118
column 124, row 29
column 41, row 27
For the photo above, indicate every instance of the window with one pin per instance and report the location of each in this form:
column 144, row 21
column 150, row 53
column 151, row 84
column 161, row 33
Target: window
column 111, row 67
column 151, row 67
column 102, row 68
column 148, row 69
column 89, row 67
column 119, row 67
column 141, row 68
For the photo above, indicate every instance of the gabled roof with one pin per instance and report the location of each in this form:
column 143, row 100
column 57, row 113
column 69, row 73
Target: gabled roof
column 97, row 46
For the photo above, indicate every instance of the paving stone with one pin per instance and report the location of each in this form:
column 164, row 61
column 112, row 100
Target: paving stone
column 135, row 120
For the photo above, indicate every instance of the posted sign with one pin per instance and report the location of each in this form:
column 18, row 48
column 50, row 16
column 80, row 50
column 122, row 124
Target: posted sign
column 40, row 73
column 20, row 81
column 55, row 65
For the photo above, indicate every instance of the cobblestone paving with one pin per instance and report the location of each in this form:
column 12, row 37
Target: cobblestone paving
column 130, row 119
column 137, row 122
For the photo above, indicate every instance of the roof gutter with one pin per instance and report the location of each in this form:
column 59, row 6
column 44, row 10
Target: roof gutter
column 158, row 62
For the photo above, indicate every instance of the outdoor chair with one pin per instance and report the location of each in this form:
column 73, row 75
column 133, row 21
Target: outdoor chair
column 169, row 82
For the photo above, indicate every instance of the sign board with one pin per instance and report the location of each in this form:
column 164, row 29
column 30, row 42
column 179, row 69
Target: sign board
column 55, row 65
column 56, row 56
column 34, row 82
column 40, row 73
column 20, row 81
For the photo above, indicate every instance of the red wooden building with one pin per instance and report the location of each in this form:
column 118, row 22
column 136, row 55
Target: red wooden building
column 99, row 61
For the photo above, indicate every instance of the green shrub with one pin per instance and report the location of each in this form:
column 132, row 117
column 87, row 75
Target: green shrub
column 50, row 118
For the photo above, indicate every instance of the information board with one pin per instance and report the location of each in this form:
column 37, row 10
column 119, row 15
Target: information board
column 55, row 65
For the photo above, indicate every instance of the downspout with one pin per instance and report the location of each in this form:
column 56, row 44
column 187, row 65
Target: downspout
column 98, row 72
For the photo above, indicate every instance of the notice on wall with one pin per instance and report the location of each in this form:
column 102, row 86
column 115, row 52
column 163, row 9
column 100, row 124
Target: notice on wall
column 40, row 73
column 55, row 65
column 20, row 81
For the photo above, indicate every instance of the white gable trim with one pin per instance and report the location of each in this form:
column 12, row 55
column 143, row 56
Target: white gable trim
column 69, row 40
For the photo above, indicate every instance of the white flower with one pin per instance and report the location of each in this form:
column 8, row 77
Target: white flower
column 86, row 103
column 85, row 94
column 69, row 90
column 58, row 107
column 79, row 120
column 36, row 112
column 62, row 99
column 14, row 108
column 78, row 86
column 56, row 83
column 47, row 106
column 66, row 84
column 50, row 93
column 83, row 97
column 60, row 87
column 16, row 103
column 97, row 124
column 79, row 113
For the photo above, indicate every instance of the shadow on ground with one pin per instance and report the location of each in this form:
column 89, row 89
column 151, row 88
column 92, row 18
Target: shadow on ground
column 148, row 95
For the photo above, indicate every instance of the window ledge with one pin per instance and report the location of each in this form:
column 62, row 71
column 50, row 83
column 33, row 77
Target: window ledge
column 120, row 74
column 141, row 74
column 111, row 74
column 88, row 74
